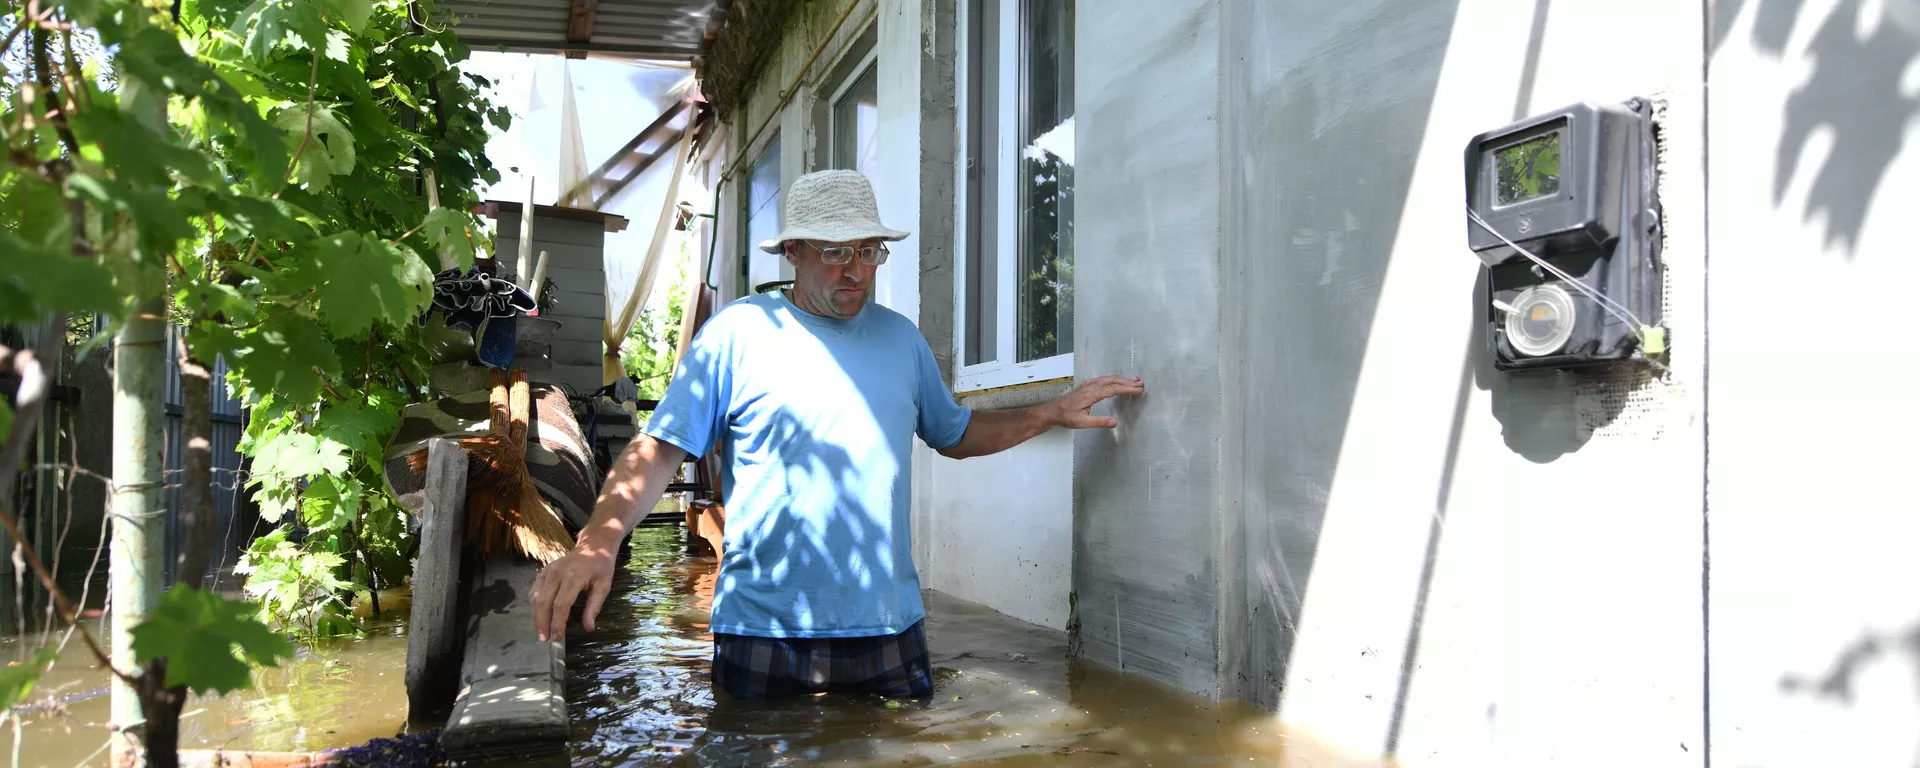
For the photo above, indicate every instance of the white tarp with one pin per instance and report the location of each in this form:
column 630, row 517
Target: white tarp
column 571, row 115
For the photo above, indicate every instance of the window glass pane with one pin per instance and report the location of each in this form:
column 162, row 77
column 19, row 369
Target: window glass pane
column 763, row 206
column 856, row 123
column 1043, row 285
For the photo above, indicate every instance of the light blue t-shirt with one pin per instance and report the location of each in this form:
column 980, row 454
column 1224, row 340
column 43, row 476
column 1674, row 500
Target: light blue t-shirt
column 815, row 419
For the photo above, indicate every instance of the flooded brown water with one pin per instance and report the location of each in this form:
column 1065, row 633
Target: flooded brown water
column 339, row 694
column 639, row 693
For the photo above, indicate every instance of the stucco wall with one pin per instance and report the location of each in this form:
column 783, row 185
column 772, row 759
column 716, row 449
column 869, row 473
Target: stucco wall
column 1393, row 544
column 1148, row 293
column 1815, row 178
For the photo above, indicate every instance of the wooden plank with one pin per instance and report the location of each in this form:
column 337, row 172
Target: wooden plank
column 576, row 278
column 501, row 209
column 434, row 637
column 512, row 701
column 580, row 21
column 555, row 230
column 578, row 304
column 617, row 185
column 580, row 329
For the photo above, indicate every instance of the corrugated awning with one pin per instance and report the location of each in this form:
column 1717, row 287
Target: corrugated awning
column 669, row 30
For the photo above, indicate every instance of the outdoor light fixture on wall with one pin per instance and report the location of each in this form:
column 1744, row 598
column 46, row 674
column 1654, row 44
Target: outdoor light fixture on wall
column 1563, row 210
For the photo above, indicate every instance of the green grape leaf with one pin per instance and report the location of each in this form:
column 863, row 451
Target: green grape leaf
column 355, row 13
column 258, row 217
column 156, row 57
column 274, row 504
column 159, row 223
column 328, row 150
column 49, row 282
column 451, row 231
column 364, row 429
column 339, row 46
column 204, row 638
column 35, row 213
column 135, row 152
column 209, row 340
column 17, row 678
column 270, row 22
column 330, row 504
column 281, row 354
column 405, row 94
column 298, row 454
column 366, row 280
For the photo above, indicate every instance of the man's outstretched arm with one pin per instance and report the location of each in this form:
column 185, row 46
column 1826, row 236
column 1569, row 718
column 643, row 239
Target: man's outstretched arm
column 636, row 483
column 990, row 432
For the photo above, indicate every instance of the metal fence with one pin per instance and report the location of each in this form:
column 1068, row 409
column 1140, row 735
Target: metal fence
column 62, row 511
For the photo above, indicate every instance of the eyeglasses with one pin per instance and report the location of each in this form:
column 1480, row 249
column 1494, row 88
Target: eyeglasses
column 871, row 255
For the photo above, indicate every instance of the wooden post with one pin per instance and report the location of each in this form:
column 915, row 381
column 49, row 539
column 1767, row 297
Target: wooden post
column 513, row 688
column 434, row 636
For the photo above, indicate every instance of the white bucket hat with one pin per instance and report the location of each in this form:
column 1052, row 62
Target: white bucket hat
column 834, row 206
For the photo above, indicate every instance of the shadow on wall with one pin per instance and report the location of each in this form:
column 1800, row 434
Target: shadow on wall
column 1854, row 96
column 1312, row 209
column 1859, row 100
column 1842, row 678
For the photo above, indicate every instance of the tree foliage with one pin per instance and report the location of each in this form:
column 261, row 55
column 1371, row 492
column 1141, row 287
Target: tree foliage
column 207, row 641
column 648, row 354
column 262, row 165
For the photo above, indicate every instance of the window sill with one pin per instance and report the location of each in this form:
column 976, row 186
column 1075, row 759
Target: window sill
column 1016, row 396
column 980, row 378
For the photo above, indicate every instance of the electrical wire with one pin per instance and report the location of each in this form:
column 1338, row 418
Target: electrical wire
column 1611, row 306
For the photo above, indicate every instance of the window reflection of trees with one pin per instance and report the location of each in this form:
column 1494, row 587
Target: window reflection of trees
column 1044, row 290
column 1046, row 258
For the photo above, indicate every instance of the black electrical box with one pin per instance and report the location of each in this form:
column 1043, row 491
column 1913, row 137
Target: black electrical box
column 1577, row 189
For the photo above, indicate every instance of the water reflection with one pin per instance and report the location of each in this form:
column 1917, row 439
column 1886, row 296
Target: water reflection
column 1005, row 694
column 640, row 693
column 341, row 693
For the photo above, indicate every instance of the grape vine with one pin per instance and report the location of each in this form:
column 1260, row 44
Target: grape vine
column 263, row 165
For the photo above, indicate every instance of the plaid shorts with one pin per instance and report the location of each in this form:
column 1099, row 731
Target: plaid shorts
column 762, row 667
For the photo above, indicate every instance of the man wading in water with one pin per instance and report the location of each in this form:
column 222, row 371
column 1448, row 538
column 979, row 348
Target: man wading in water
column 814, row 395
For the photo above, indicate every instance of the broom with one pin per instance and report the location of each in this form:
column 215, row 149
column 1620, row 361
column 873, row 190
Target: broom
column 503, row 505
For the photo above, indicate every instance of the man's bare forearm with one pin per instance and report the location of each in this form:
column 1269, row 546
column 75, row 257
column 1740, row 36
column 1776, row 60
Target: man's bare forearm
column 638, row 480
column 990, row 432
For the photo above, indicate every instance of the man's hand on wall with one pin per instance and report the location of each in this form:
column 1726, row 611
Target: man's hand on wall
column 1075, row 409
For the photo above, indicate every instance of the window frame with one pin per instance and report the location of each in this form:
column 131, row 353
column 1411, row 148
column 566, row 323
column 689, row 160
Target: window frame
column 999, row 142
column 868, row 62
column 749, row 247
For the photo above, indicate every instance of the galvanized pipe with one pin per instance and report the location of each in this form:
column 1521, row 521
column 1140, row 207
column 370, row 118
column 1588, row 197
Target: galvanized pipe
column 137, row 560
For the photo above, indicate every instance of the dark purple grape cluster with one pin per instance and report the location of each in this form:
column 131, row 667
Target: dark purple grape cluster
column 414, row 749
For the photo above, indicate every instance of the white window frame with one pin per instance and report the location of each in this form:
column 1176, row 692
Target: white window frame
column 749, row 248
column 1001, row 370
column 868, row 63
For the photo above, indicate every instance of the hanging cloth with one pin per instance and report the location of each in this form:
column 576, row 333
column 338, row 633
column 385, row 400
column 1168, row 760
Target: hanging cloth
column 615, row 331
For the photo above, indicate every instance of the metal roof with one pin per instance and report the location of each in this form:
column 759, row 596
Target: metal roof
column 634, row 29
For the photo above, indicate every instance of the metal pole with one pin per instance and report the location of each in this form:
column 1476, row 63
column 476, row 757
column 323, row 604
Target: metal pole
column 136, row 561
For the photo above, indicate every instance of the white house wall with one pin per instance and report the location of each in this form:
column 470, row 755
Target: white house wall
column 1328, row 502
column 1815, row 169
